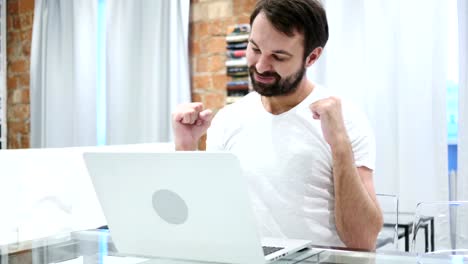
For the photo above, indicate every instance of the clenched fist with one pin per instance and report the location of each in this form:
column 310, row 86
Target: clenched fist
column 328, row 111
column 189, row 123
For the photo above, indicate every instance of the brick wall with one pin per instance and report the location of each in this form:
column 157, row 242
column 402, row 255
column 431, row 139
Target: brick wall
column 209, row 20
column 19, row 33
column 208, row 24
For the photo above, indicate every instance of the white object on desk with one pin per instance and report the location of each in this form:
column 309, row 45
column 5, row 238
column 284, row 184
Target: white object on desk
column 44, row 192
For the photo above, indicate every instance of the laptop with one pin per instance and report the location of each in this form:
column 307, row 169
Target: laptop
column 181, row 205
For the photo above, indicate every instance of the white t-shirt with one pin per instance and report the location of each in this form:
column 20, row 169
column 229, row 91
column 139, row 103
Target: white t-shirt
column 288, row 163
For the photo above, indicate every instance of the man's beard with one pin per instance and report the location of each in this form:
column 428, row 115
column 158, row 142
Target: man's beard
column 280, row 86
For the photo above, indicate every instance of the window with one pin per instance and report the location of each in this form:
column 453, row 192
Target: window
column 452, row 86
column 101, row 75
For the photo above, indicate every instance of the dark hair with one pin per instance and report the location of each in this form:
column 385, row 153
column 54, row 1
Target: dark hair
column 307, row 17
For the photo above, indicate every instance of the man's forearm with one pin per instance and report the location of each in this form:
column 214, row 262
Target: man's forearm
column 186, row 147
column 357, row 215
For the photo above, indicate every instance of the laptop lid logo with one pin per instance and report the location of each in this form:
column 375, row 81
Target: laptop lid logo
column 170, row 207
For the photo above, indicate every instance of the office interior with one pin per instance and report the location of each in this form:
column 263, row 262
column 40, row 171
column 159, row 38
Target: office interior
column 105, row 76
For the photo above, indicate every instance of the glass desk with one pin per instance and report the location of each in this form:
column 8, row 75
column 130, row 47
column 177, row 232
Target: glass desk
column 96, row 247
column 405, row 229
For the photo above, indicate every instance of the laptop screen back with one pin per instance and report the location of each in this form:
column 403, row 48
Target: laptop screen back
column 185, row 205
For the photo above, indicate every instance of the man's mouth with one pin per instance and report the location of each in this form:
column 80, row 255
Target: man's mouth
column 264, row 79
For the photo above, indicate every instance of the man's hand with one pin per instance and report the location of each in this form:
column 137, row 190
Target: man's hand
column 189, row 123
column 328, row 111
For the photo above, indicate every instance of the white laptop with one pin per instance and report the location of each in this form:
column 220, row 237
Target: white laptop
column 182, row 205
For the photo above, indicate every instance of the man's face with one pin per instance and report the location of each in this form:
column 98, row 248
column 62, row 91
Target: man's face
column 275, row 60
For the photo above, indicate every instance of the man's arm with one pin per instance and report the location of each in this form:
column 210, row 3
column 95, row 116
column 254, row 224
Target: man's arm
column 357, row 214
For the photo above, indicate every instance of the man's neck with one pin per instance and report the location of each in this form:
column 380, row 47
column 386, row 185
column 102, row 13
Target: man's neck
column 280, row 104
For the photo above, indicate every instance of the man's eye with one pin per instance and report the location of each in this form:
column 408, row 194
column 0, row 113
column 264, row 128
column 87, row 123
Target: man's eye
column 256, row 50
column 278, row 58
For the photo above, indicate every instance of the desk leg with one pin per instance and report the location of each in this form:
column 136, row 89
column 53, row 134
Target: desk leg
column 432, row 234
column 407, row 238
column 426, row 238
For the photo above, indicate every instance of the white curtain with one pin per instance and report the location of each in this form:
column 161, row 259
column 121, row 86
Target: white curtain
column 63, row 79
column 147, row 71
column 389, row 57
column 147, row 68
column 463, row 100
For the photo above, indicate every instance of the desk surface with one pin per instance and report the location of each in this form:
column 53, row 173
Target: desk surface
column 96, row 247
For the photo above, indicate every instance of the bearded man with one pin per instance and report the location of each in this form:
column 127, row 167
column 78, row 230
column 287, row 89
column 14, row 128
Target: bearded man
column 308, row 156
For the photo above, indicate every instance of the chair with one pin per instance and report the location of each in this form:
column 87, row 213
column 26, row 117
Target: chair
column 388, row 236
column 447, row 222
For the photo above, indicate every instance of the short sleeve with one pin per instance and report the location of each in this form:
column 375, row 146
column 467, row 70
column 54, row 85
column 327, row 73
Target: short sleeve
column 215, row 134
column 361, row 136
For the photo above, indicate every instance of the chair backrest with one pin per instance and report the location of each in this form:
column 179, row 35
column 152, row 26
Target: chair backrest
column 388, row 235
column 444, row 226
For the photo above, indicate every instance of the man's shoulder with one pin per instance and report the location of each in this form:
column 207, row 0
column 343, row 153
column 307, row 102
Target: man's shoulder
column 244, row 105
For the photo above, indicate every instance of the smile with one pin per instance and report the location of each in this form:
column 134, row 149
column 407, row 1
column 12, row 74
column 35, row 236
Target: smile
column 264, row 79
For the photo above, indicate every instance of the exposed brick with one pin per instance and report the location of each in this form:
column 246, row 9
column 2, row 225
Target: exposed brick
column 219, row 82
column 200, row 29
column 13, row 142
column 201, row 82
column 244, row 19
column 196, row 97
column 14, row 23
column 24, row 79
column 216, row 63
column 18, row 128
column 26, row 49
column 19, row 96
column 26, row 35
column 25, row 96
column 213, row 63
column 202, row 64
column 219, row 27
column 194, row 48
column 219, row 9
column 26, row 21
column 197, row 12
column 214, row 100
column 12, row 82
column 12, row 7
column 243, row 7
column 19, row 66
column 20, row 18
column 13, row 37
column 19, row 112
column 25, row 6
column 193, row 64
column 24, row 141
column 213, row 45
column 202, row 143
column 12, row 50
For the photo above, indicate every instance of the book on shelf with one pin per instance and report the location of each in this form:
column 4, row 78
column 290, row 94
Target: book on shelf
column 237, row 46
column 236, row 62
column 243, row 81
column 235, row 53
column 238, row 29
column 237, row 38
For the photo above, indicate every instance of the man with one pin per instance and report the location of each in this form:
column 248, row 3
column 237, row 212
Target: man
column 308, row 162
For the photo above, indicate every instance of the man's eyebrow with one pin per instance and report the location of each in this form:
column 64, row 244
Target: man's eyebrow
column 283, row 52
column 253, row 42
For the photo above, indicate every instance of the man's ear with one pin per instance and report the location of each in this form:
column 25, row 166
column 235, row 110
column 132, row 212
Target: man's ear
column 313, row 56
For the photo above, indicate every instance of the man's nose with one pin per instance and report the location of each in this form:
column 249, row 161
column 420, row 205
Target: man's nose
column 263, row 65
